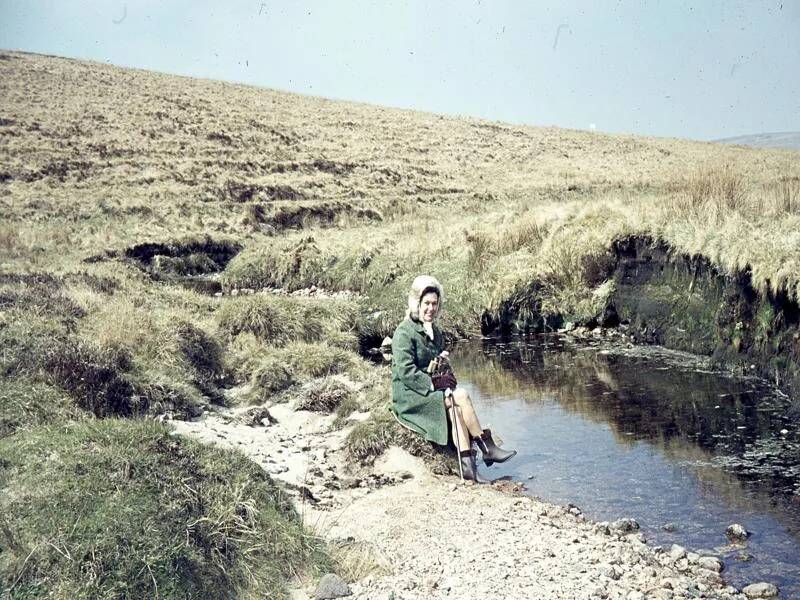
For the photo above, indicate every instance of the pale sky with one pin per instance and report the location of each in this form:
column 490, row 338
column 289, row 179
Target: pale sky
column 701, row 70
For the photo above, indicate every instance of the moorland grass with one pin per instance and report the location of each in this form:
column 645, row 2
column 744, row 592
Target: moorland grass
column 271, row 369
column 104, row 210
column 111, row 509
column 278, row 320
column 26, row 403
column 326, row 394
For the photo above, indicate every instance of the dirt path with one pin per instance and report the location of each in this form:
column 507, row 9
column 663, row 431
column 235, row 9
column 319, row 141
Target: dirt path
column 437, row 538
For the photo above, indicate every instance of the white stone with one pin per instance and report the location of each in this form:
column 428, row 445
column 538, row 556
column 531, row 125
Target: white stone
column 760, row 590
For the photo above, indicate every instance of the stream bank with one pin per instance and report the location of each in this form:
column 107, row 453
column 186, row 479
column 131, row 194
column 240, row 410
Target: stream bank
column 686, row 303
column 499, row 543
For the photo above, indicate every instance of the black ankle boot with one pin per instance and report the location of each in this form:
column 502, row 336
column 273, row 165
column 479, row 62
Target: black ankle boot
column 491, row 453
column 469, row 467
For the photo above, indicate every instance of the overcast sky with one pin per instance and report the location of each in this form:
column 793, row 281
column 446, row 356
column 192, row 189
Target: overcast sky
column 703, row 70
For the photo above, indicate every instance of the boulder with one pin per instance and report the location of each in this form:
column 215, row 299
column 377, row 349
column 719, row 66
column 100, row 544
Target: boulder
column 331, row 586
column 677, row 552
column 737, row 533
column 624, row 525
column 712, row 563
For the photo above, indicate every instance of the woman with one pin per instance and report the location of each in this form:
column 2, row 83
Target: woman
column 426, row 403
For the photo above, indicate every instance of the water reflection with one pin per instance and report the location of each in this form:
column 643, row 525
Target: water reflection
column 649, row 433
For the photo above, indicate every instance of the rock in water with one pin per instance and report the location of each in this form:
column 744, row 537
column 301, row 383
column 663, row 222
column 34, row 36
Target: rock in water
column 737, row 533
column 332, row 586
column 624, row 525
column 760, row 590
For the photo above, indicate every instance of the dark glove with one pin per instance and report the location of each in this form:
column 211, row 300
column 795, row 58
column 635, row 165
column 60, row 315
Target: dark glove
column 444, row 381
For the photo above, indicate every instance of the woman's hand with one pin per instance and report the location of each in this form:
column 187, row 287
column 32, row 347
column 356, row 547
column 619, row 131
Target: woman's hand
column 444, row 381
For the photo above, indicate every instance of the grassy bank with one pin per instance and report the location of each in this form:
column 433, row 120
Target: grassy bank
column 133, row 185
column 116, row 509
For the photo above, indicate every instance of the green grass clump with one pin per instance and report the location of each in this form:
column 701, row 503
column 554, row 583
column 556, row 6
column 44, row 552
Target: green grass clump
column 309, row 360
column 325, row 394
column 273, row 369
column 344, row 409
column 279, row 320
column 106, row 378
column 272, row 375
column 298, row 362
column 292, row 265
column 168, row 343
column 26, row 403
column 44, row 299
column 94, row 376
column 115, row 509
column 369, row 439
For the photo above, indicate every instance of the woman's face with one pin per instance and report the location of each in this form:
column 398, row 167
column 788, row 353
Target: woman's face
column 428, row 306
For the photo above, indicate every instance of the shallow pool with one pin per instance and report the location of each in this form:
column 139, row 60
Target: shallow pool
column 651, row 434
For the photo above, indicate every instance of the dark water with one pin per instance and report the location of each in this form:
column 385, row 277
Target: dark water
column 649, row 434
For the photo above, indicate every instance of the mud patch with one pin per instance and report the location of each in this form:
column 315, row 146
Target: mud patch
column 238, row 191
column 332, row 167
column 188, row 257
column 325, row 214
column 60, row 170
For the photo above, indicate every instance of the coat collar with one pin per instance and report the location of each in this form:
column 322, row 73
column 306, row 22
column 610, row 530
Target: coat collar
column 417, row 326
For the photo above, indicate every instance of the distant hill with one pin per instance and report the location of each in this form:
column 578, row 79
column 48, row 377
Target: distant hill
column 789, row 140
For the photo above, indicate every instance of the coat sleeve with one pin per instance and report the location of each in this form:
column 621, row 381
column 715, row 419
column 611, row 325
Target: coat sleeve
column 407, row 371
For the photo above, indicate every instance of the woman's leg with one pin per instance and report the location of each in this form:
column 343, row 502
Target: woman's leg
column 463, row 442
column 470, row 419
column 459, row 429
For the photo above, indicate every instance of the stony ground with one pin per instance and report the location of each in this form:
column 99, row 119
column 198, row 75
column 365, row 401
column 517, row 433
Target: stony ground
column 433, row 537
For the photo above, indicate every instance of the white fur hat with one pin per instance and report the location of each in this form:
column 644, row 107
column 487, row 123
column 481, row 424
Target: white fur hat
column 422, row 283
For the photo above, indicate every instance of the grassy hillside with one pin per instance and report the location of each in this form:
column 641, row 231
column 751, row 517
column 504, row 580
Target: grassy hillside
column 119, row 188
column 789, row 140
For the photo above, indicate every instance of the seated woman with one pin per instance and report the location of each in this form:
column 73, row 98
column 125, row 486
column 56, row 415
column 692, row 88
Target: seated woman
column 426, row 402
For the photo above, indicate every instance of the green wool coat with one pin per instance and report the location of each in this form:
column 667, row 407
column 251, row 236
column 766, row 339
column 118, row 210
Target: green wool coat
column 413, row 401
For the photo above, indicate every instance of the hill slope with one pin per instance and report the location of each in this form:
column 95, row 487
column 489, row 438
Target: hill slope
column 144, row 144
column 788, row 140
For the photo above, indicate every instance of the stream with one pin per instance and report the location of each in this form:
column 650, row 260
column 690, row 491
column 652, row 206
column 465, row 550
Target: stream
column 643, row 432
